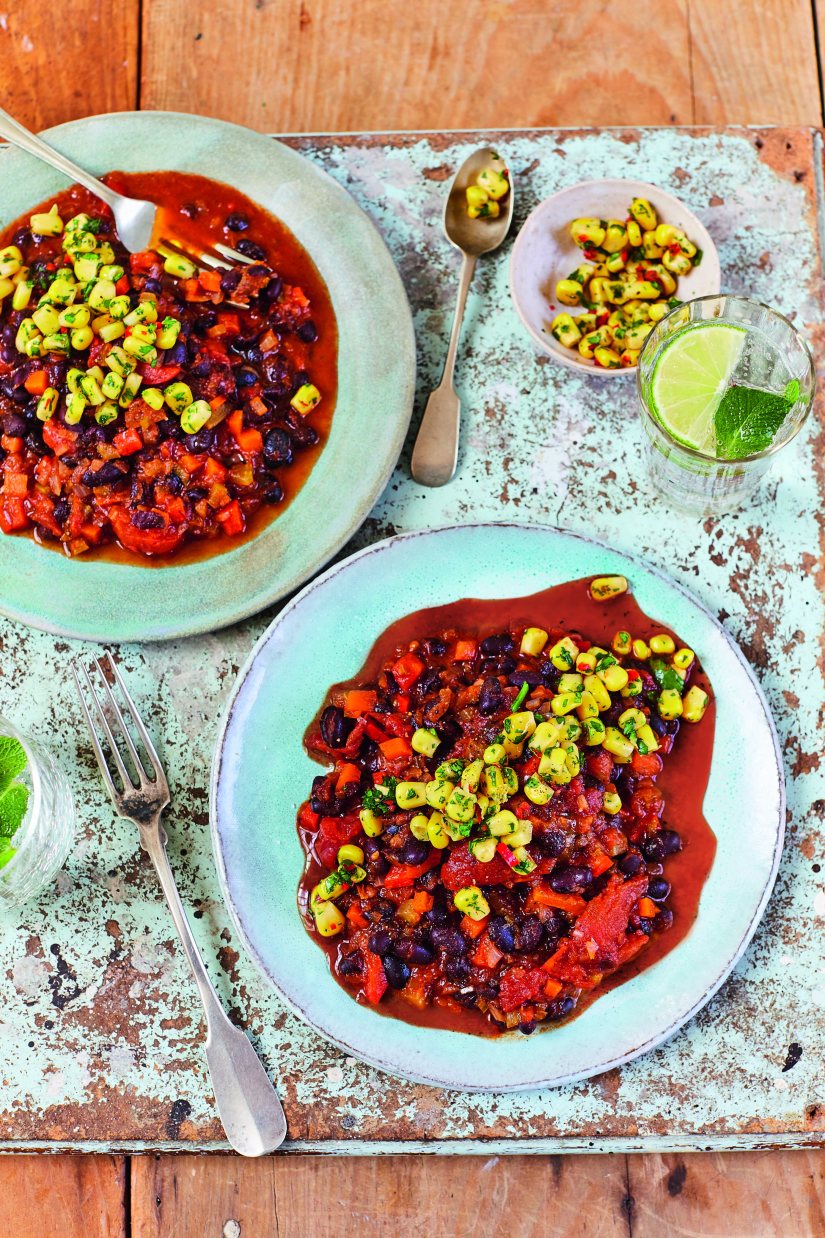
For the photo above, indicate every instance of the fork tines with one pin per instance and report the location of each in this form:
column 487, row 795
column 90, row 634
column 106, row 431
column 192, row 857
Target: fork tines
column 104, row 707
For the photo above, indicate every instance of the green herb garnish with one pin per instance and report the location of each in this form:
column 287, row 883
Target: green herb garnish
column 522, row 695
column 14, row 796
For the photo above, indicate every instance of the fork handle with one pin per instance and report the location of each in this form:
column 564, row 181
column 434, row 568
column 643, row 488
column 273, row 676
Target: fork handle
column 13, row 131
column 251, row 1113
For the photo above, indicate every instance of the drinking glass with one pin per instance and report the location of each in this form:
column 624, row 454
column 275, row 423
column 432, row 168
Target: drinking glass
column 47, row 831
column 774, row 354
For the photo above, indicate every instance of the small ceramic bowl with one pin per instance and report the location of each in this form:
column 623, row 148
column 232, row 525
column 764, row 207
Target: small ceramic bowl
column 544, row 253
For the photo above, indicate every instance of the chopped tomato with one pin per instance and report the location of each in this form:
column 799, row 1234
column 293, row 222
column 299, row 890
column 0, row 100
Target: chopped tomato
column 333, row 832
column 160, row 541
column 232, row 518
column 486, row 953
column 157, row 375
column 520, row 985
column 12, row 515
column 15, row 484
column 122, row 285
column 308, row 819
column 40, row 510
column 128, row 442
column 59, row 437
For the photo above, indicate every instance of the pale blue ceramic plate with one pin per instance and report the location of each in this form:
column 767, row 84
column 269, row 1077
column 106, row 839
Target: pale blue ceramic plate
column 261, row 773
column 107, row 601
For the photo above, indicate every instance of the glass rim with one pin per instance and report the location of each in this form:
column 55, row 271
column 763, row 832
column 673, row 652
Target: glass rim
column 773, row 448
column 33, row 767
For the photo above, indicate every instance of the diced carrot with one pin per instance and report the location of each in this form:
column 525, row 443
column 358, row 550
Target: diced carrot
column 552, row 988
column 13, row 515
column 358, row 702
column 347, row 775
column 356, row 916
column 465, row 650
column 599, row 864
column 486, row 954
column 248, row 439
column 647, row 909
column 210, row 280
column 473, row 928
column 16, row 485
column 213, row 470
column 37, row 382
column 12, row 444
column 546, row 897
column 394, row 749
column 406, row 670
column 422, row 901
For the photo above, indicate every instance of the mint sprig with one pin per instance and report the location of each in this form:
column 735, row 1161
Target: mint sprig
column 14, row 796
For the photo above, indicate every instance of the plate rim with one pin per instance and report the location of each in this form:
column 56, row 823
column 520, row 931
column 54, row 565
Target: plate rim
column 565, row 357
column 434, row 1080
column 232, row 614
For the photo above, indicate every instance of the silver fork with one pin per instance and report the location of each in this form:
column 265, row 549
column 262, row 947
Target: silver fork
column 250, row 1110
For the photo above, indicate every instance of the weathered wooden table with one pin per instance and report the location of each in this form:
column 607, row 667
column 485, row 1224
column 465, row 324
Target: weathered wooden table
column 96, row 997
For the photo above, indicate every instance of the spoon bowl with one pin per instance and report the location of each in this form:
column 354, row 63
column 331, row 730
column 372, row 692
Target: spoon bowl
column 476, row 236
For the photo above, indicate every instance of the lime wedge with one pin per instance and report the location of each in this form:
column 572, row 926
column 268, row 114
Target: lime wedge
column 691, row 375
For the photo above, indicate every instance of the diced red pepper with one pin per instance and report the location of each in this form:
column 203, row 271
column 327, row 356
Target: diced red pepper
column 12, row 515
column 333, row 833
column 231, row 517
column 598, row 935
column 157, row 375
column 128, row 442
column 405, row 874
column 12, row 443
column 375, row 982
column 307, row 819
column 407, row 670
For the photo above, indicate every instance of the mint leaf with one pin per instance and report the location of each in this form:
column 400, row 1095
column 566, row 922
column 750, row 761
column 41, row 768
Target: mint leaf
column 747, row 421
column 12, row 760
column 6, row 854
column 13, row 804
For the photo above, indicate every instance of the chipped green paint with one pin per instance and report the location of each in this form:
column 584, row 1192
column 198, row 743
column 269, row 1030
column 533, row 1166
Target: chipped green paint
column 96, row 1000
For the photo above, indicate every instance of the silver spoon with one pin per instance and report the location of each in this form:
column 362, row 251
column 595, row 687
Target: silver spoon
column 134, row 218
column 435, row 454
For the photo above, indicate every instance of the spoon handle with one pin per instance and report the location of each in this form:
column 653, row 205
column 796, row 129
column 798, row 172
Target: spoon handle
column 13, row 131
column 435, row 454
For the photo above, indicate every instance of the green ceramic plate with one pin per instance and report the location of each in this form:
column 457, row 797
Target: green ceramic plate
column 261, row 773
column 117, row 602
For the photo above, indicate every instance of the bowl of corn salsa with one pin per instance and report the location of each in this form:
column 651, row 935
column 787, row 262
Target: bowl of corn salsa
column 546, row 254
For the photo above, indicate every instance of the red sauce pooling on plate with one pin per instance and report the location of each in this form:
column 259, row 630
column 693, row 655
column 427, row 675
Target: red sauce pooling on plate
column 682, row 782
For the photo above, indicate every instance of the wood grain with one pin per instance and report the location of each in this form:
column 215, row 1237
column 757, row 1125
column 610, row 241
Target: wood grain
column 754, row 63
column 729, row 1195
column 62, row 1196
column 197, row 1197
column 320, row 65
column 40, row 90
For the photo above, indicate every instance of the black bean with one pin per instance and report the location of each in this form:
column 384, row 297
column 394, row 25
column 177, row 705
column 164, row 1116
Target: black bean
column 503, row 664
column 531, row 678
column 250, row 250
column 351, row 964
column 489, row 991
column 501, row 932
column 106, row 475
column 151, row 285
column 571, row 879
column 380, row 942
column 560, row 1007
column 177, row 354
column 204, row 440
column 528, row 1027
column 414, row 851
column 467, row 999
column 501, row 642
column 191, row 210
column 385, row 908
column 434, row 647
column 35, row 444
column 335, row 728
column 144, row 519
column 273, row 492
column 529, row 934
column 550, row 675
column 308, row 332
column 457, row 970
column 278, row 447
column 61, row 510
column 664, row 920
column 450, row 940
column 413, row 952
column 491, row 697
column 550, row 842
column 14, row 425
column 658, row 889
column 21, row 237
column 236, row 222
column 396, row 971
column 663, row 843
column 245, row 377
column 303, row 433
column 631, row 864
column 173, row 483
column 448, row 731
column 205, row 320
column 271, row 291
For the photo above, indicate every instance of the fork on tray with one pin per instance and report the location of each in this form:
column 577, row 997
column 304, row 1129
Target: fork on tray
column 248, row 1104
